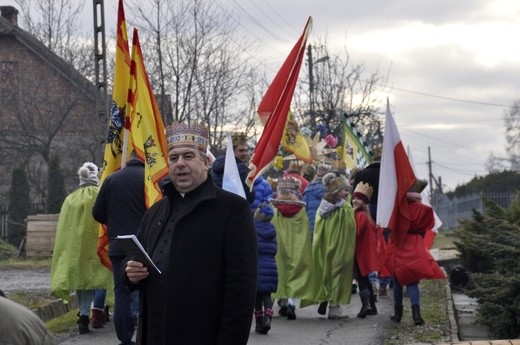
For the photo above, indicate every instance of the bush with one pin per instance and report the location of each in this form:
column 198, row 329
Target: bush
column 19, row 206
column 490, row 248
column 56, row 187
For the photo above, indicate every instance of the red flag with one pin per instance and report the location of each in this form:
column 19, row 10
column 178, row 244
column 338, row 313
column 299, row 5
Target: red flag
column 395, row 179
column 114, row 147
column 274, row 108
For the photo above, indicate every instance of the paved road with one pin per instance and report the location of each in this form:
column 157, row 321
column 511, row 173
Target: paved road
column 309, row 328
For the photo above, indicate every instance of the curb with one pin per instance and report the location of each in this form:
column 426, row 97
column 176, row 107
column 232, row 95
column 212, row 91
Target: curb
column 454, row 326
column 56, row 308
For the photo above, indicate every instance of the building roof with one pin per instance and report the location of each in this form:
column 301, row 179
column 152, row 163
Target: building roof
column 62, row 67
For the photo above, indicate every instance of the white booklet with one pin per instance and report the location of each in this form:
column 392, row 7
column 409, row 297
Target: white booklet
column 135, row 251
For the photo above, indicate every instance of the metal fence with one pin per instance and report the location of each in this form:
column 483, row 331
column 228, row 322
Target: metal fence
column 452, row 211
column 4, row 217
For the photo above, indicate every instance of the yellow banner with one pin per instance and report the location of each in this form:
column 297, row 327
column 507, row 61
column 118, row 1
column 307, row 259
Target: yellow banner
column 294, row 141
column 146, row 126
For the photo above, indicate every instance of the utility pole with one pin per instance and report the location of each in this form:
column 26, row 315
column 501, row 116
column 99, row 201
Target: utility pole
column 311, row 86
column 430, row 174
column 312, row 98
column 100, row 58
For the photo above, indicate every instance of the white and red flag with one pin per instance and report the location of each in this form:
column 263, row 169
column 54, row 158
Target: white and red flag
column 395, row 179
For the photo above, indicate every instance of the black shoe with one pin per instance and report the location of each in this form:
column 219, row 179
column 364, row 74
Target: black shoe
column 291, row 315
column 283, row 310
column 83, row 322
column 259, row 325
column 266, row 325
column 354, row 289
column 322, row 309
column 371, row 312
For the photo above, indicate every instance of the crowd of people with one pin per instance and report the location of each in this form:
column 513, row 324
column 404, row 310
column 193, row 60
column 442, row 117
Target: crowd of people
column 304, row 238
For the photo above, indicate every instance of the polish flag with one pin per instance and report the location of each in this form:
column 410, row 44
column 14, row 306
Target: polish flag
column 395, row 179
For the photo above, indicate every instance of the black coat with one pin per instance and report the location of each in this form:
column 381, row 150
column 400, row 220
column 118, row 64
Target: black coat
column 370, row 175
column 120, row 203
column 205, row 245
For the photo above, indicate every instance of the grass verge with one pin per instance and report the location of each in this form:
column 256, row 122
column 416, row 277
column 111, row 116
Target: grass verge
column 64, row 323
column 437, row 328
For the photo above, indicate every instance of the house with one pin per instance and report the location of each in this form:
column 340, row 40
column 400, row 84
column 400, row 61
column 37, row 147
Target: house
column 46, row 108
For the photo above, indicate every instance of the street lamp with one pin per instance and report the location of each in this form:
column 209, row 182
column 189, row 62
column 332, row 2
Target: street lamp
column 312, row 100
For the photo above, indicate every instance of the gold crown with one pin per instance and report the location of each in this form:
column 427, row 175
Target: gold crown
column 339, row 165
column 287, row 183
column 238, row 138
column 333, row 183
column 363, row 191
column 180, row 135
column 418, row 186
column 293, row 166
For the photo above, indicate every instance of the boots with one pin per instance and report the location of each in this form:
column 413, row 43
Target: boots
column 398, row 313
column 266, row 325
column 259, row 317
column 106, row 314
column 322, row 309
column 364, row 295
column 373, row 308
column 291, row 314
column 416, row 315
column 335, row 313
column 83, row 324
column 98, row 316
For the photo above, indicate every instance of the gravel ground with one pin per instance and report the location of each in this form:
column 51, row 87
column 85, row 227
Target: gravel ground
column 29, row 280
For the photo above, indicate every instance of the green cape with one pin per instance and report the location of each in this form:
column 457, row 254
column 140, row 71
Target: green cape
column 333, row 252
column 75, row 263
column 294, row 255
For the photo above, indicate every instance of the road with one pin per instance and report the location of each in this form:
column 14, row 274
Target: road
column 309, row 328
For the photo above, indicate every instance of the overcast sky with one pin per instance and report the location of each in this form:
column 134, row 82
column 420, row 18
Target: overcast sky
column 454, row 65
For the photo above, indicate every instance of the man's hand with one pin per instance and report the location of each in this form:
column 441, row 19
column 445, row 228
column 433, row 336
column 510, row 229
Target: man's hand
column 135, row 271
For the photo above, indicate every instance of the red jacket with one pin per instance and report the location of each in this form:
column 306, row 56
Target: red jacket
column 412, row 261
column 370, row 244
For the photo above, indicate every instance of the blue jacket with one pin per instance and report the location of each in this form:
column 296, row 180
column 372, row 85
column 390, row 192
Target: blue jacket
column 312, row 197
column 267, row 272
column 263, row 192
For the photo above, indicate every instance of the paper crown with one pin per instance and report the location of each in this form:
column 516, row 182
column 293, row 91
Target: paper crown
column 338, row 165
column 180, row 135
column 287, row 183
column 333, row 183
column 293, row 166
column 363, row 192
column 418, row 186
column 322, row 169
column 238, row 138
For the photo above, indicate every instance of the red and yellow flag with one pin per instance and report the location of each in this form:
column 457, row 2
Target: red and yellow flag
column 274, row 108
column 114, row 145
column 294, row 141
column 146, row 126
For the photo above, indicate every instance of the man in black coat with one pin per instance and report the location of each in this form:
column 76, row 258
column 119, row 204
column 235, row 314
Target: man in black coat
column 120, row 205
column 203, row 240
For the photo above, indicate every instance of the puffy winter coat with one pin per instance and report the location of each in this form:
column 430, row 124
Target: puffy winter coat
column 267, row 273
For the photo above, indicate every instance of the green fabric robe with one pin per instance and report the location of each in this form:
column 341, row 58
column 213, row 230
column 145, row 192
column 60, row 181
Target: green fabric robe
column 75, row 263
column 294, row 255
column 333, row 251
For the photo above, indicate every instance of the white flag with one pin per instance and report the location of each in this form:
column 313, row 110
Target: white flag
column 231, row 180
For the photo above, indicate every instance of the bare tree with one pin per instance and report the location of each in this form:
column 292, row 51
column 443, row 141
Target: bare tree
column 56, row 24
column 193, row 53
column 340, row 87
column 512, row 122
